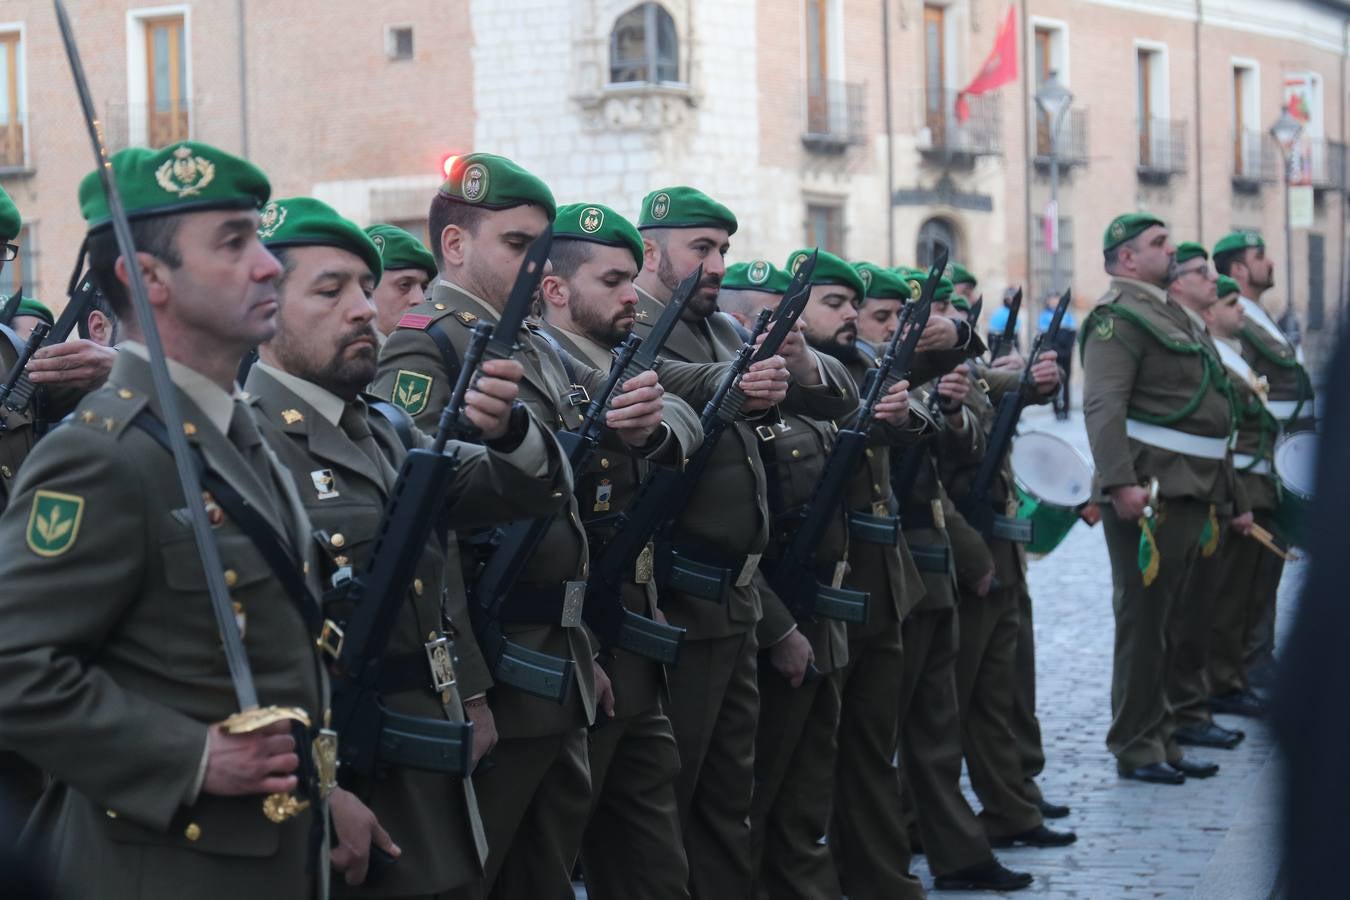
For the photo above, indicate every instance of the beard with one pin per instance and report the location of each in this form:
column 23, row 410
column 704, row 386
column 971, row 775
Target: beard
column 604, row 330
column 842, row 345
column 344, row 374
column 703, row 303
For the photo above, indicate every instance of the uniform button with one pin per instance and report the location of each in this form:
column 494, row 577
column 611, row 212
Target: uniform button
column 231, row 578
column 193, row 831
column 604, row 462
column 796, row 454
column 112, row 813
column 876, row 487
column 341, row 561
column 438, row 306
column 338, row 540
column 556, row 494
column 189, row 429
column 125, row 394
column 6, row 471
column 417, row 586
column 868, row 452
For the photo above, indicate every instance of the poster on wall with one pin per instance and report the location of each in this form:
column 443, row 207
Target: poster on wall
column 1302, row 96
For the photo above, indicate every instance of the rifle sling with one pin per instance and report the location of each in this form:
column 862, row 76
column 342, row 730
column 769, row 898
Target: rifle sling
column 259, row 531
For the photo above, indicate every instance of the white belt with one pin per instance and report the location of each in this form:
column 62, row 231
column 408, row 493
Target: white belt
column 1177, row 441
column 1285, row 409
column 1245, row 463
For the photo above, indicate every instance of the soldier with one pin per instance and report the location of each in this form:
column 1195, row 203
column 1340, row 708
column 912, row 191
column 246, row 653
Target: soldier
column 930, row 726
column 988, row 620
column 129, row 647
column 534, row 800
column 409, row 268
column 344, row 457
column 1156, row 408
column 1242, row 257
column 28, row 314
column 724, row 528
column 589, row 308
column 1192, row 286
column 1243, row 568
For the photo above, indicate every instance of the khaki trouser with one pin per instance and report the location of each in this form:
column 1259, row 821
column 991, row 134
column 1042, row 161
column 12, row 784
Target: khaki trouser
column 534, row 801
column 868, row 836
column 714, row 706
column 632, row 845
column 1188, row 635
column 1141, row 724
column 1251, row 577
column 1026, row 728
column 930, row 744
column 985, row 673
column 795, row 753
column 1258, row 655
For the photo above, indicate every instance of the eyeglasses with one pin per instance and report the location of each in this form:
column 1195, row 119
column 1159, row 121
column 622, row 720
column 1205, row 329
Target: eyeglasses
column 1231, row 301
column 1193, row 270
column 11, row 252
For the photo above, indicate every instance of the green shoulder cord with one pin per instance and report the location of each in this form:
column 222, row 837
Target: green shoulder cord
column 1305, row 391
column 1214, row 373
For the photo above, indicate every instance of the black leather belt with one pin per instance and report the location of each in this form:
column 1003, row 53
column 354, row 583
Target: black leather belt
column 870, row 529
column 534, row 603
column 930, row 557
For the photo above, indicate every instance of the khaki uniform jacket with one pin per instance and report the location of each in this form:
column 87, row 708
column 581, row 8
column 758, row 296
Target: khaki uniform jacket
column 800, row 448
column 344, row 491
column 728, row 506
column 111, row 666
column 1271, row 354
column 607, row 487
column 1127, row 371
column 927, row 494
column 18, row 436
column 1257, row 431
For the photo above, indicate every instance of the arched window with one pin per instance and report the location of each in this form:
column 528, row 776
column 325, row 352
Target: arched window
column 931, row 234
column 643, row 47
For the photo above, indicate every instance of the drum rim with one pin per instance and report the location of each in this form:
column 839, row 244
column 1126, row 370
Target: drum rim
column 1081, row 456
column 1285, row 440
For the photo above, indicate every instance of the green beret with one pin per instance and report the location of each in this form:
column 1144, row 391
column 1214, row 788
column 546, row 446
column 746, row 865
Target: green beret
column 957, row 301
column 10, row 221
column 401, row 249
column 829, row 269
column 959, row 274
column 881, row 283
column 1189, row 250
column 1127, row 227
column 1238, row 240
column 1227, row 286
column 306, row 222
column 756, row 275
column 684, row 207
column 495, row 182
column 944, row 293
column 599, row 225
column 185, row 177
column 30, row 307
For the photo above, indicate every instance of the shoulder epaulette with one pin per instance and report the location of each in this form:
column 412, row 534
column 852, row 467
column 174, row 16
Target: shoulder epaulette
column 109, row 410
column 422, row 316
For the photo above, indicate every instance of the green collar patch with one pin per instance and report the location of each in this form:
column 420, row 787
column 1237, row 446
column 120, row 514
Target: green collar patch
column 54, row 522
column 411, row 391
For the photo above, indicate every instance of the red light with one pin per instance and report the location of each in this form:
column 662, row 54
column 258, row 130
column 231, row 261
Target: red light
column 448, row 163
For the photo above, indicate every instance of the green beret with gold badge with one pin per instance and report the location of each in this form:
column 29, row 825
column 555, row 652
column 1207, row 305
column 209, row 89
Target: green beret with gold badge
column 11, row 223
column 400, row 249
column 959, row 274
column 1239, row 240
column 829, row 269
column 1227, row 286
column 882, row 283
column 181, row 178
column 1127, row 227
column 306, row 222
column 945, row 293
column 495, row 182
column 1189, row 250
column 684, row 207
column 598, row 225
column 756, row 275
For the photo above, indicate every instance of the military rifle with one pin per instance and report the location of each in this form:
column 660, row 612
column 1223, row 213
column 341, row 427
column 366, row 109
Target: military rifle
column 975, row 312
column 1008, row 339
column 372, row 735
column 614, row 624
column 35, row 340
column 18, row 391
column 794, row 576
column 664, row 493
column 976, row 505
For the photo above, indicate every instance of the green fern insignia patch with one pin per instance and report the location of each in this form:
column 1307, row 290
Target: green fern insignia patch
column 411, row 390
column 54, row 522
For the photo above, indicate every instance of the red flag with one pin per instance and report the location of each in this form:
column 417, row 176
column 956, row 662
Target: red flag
column 999, row 69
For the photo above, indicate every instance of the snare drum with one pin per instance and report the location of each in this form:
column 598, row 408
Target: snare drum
column 1053, row 481
column 1295, row 468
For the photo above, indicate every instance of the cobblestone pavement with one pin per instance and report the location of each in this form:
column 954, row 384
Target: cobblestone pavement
column 1134, row 839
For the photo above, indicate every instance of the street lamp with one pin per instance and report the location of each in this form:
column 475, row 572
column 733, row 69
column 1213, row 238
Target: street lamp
column 1286, row 131
column 1053, row 99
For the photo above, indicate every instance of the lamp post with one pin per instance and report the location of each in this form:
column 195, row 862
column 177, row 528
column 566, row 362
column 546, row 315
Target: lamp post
column 1286, row 131
column 1053, row 99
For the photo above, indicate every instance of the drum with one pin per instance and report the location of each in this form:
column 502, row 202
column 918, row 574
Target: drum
column 1053, row 481
column 1295, row 468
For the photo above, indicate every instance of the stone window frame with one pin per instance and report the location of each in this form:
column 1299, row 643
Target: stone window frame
column 655, row 16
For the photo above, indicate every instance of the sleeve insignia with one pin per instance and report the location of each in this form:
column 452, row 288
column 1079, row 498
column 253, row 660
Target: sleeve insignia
column 54, row 522
column 1104, row 327
column 411, row 391
column 467, row 318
